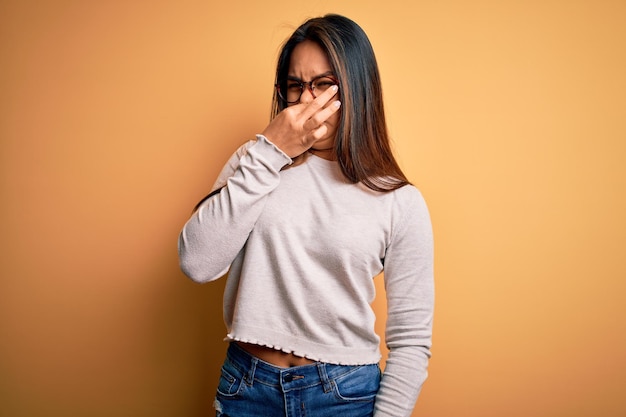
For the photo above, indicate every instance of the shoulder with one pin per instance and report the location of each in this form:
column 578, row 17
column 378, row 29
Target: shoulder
column 409, row 197
column 410, row 208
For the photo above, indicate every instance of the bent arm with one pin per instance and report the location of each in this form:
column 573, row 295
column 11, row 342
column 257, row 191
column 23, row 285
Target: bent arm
column 219, row 228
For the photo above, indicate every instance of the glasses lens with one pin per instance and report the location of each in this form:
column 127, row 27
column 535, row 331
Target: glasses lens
column 290, row 90
column 322, row 84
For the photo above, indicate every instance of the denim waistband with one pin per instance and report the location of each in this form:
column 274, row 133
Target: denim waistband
column 296, row 377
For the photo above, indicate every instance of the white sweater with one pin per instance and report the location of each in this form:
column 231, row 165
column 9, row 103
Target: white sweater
column 301, row 247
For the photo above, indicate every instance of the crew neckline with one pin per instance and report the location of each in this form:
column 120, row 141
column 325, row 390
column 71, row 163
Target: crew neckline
column 322, row 161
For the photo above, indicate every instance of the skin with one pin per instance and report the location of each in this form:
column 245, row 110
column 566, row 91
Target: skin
column 311, row 124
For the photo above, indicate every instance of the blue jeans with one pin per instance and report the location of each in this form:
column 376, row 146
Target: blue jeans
column 250, row 387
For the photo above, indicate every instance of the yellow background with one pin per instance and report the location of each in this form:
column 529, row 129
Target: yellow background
column 116, row 116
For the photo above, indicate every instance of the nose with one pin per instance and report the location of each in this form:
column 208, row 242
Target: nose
column 307, row 94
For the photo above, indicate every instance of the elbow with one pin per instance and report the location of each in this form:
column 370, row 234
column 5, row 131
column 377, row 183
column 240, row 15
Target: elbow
column 196, row 264
column 193, row 271
column 189, row 262
column 199, row 271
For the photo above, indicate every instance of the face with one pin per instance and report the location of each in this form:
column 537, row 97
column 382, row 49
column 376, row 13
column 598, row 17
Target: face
column 308, row 61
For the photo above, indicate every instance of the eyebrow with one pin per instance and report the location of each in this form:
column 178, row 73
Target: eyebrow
column 325, row 74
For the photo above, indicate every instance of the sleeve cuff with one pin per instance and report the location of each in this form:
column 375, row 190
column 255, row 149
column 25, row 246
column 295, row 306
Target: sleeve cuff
column 272, row 152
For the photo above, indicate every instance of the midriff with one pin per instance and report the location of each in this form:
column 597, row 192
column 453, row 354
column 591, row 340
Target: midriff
column 273, row 356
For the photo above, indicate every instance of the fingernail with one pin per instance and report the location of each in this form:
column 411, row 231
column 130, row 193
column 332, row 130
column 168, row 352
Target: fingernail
column 337, row 103
column 335, row 87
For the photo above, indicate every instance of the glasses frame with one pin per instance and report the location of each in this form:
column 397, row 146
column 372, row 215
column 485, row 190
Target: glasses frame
column 303, row 84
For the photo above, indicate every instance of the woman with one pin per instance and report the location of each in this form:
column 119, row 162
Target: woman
column 302, row 219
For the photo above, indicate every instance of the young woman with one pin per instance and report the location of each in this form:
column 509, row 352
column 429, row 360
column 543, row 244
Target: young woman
column 302, row 219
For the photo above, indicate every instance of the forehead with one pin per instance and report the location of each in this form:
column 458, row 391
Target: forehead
column 308, row 59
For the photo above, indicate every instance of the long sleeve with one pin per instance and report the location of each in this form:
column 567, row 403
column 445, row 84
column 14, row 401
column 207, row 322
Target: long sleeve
column 218, row 230
column 409, row 285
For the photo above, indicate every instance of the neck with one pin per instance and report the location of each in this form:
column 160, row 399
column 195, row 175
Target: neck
column 328, row 153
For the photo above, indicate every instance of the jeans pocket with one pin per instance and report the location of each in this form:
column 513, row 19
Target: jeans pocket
column 359, row 384
column 230, row 381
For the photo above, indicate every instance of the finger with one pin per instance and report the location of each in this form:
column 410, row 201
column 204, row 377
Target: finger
column 322, row 115
column 318, row 103
column 318, row 133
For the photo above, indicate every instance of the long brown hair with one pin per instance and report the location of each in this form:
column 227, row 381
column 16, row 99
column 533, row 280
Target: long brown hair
column 362, row 144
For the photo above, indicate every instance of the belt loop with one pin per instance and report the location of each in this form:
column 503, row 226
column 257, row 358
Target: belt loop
column 321, row 368
column 249, row 377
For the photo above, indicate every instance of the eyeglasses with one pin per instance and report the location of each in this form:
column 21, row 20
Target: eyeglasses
column 291, row 89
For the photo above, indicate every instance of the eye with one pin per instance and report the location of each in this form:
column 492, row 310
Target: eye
column 324, row 83
column 294, row 85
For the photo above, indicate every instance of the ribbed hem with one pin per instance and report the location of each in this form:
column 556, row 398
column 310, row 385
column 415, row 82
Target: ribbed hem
column 336, row 355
